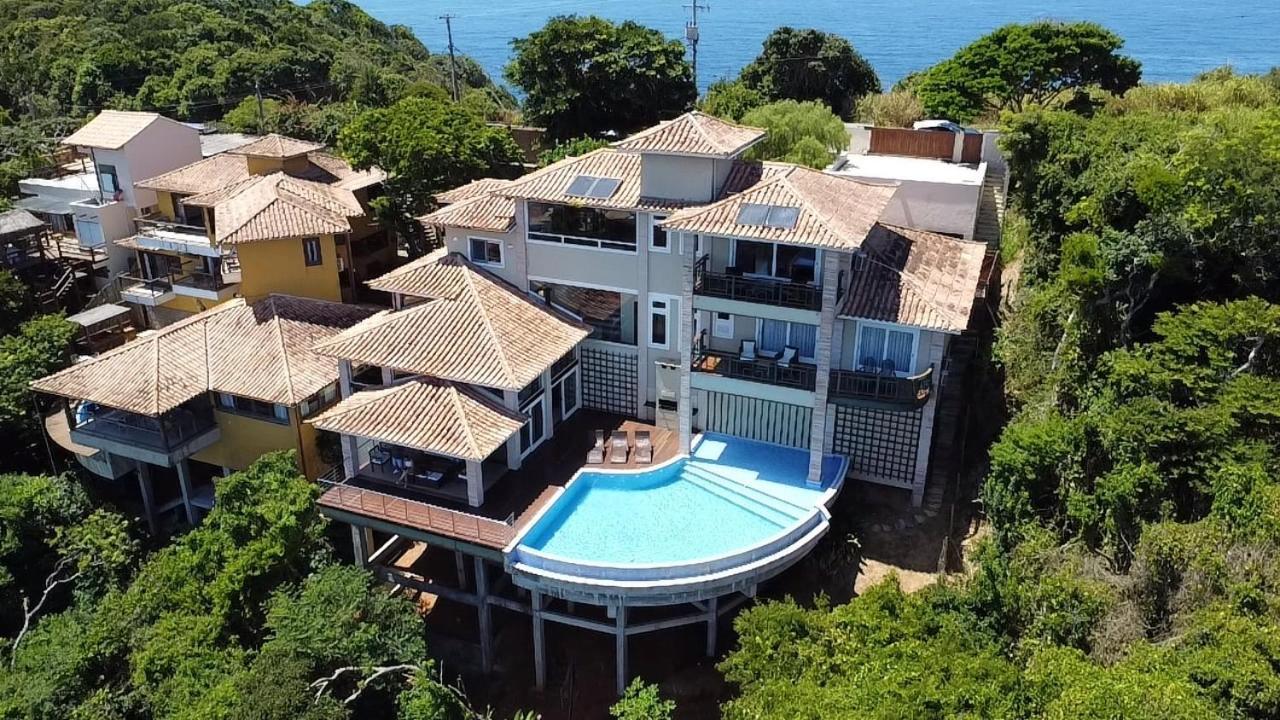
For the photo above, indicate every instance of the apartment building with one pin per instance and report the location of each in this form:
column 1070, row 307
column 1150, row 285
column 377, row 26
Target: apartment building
column 202, row 397
column 736, row 338
column 276, row 215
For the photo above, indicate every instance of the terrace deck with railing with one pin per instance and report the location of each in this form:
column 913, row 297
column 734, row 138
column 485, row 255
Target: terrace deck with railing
column 797, row 375
column 881, row 390
column 734, row 285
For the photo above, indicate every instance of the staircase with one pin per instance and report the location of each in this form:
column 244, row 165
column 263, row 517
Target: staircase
column 990, row 209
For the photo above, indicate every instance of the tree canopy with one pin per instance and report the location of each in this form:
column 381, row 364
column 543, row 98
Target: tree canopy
column 805, row 133
column 41, row 346
column 1025, row 64
column 806, row 64
column 589, row 76
column 730, row 99
column 426, row 145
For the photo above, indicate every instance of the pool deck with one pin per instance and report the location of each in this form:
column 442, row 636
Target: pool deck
column 517, row 496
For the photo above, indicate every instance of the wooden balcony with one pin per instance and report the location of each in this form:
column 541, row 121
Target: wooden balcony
column 878, row 390
column 733, row 285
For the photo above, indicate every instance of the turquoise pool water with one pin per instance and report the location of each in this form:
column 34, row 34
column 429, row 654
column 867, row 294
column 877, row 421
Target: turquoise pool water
column 732, row 495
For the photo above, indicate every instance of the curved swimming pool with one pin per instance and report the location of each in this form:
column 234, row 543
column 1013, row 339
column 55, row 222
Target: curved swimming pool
column 734, row 508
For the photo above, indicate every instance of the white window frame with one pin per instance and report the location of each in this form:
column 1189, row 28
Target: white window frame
column 760, row 334
column 915, row 343
column 653, row 228
column 502, row 252
column 539, row 402
column 718, row 330
column 665, row 311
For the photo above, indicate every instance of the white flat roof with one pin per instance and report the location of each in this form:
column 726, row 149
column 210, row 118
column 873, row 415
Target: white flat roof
column 896, row 167
column 86, row 182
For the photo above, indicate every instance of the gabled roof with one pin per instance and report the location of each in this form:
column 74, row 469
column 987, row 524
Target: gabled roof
column 277, row 146
column 473, row 189
column 260, row 351
column 833, row 212
column 917, row 278
column 429, row 415
column 113, row 129
column 490, row 212
column 551, row 183
column 694, row 133
column 225, row 169
column 276, row 206
column 19, row 222
column 475, row 329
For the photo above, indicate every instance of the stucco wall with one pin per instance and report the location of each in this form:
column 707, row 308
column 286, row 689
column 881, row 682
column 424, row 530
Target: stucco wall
column 244, row 439
column 278, row 266
column 682, row 178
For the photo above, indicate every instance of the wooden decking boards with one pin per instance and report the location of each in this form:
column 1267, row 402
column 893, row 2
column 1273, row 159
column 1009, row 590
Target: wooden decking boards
column 516, row 497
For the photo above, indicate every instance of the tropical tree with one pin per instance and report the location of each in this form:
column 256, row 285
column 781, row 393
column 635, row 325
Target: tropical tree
column 1025, row 64
column 805, row 133
column 40, row 347
column 426, row 146
column 730, row 99
column 588, row 76
column 805, row 64
column 569, row 148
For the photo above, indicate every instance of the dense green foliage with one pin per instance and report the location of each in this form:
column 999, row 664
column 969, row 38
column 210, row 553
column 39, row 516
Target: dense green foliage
column 575, row 147
column 426, row 146
column 1134, row 568
column 237, row 619
column 1021, row 65
column 39, row 347
column 806, row 64
column 730, row 99
column 641, row 701
column 589, row 76
column 805, row 133
column 899, row 108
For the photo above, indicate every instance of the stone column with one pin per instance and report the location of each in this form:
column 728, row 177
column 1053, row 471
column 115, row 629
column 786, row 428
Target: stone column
column 511, row 401
column 362, row 544
column 826, row 326
column 344, row 378
column 713, row 622
column 687, row 260
column 475, row 484
column 620, row 646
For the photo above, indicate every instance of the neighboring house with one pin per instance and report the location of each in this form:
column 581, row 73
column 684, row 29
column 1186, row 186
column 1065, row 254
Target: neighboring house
column 769, row 307
column 99, row 202
column 276, row 215
column 184, row 405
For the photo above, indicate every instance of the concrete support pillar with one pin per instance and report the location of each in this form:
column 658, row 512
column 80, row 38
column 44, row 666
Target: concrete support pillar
column 460, row 566
column 148, row 496
column 485, row 615
column 388, row 376
column 350, row 456
column 687, row 260
column 511, row 401
column 362, row 544
column 620, row 641
column 713, row 624
column 539, row 642
column 184, row 485
column 547, row 429
column 826, row 327
column 344, row 378
column 475, row 483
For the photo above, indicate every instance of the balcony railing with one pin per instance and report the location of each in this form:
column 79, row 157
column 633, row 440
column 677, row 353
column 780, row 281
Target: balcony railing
column 887, row 390
column 163, row 434
column 734, row 285
column 212, row 282
column 152, row 223
column 796, row 375
column 140, row 285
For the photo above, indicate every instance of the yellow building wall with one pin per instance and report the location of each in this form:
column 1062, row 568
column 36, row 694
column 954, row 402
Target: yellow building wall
column 278, row 266
column 244, row 439
column 165, row 206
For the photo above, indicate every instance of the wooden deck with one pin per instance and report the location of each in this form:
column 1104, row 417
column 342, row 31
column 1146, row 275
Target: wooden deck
column 515, row 498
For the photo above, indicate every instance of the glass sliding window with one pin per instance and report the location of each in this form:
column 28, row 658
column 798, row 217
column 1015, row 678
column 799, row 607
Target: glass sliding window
column 773, row 336
column 796, row 264
column 485, row 251
column 885, row 350
column 785, row 262
column 584, row 226
column 659, row 315
column 611, row 315
column 776, row 335
column 753, row 258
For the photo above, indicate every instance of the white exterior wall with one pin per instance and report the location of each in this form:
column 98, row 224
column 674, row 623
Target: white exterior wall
column 163, row 146
column 674, row 177
column 458, row 240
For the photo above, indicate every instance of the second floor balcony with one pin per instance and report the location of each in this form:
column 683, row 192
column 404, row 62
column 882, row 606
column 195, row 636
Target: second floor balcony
column 735, row 284
column 749, row 364
column 215, row 286
column 162, row 439
column 149, row 291
column 878, row 389
column 157, row 233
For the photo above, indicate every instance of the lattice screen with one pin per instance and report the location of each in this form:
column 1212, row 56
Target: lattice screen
column 881, row 444
column 608, row 381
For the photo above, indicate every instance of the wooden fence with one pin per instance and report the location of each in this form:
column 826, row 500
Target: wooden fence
column 936, row 144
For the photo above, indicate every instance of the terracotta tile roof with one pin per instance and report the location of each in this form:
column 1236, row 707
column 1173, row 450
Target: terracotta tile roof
column 694, row 133
column 477, row 330
column 201, row 176
column 113, row 129
column 261, row 351
column 277, row 146
column 277, row 206
column 918, row 278
column 833, row 212
column 429, row 415
column 422, row 278
column 475, row 188
column 490, row 212
column 551, row 183
column 340, row 173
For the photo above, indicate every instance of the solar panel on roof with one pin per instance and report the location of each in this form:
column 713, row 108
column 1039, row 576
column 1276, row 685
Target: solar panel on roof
column 753, row 214
column 581, row 186
column 604, row 188
column 783, row 217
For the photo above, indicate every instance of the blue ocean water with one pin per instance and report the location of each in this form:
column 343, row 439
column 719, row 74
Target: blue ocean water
column 1174, row 39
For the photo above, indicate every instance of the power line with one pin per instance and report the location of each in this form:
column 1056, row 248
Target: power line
column 453, row 61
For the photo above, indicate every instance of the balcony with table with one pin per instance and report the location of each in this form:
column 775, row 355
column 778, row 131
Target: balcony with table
column 741, row 286
column 749, row 363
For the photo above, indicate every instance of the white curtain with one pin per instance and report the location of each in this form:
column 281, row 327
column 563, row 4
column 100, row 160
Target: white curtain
column 870, row 347
column 805, row 339
column 898, row 351
column 773, row 336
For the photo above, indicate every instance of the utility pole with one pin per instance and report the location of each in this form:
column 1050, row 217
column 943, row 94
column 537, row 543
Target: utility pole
column 257, row 91
column 691, row 34
column 453, row 62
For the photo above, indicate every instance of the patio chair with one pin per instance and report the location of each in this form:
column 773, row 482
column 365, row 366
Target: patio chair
column 888, row 367
column 644, row 447
column 596, row 455
column 619, row 446
column 747, row 351
column 788, row 356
